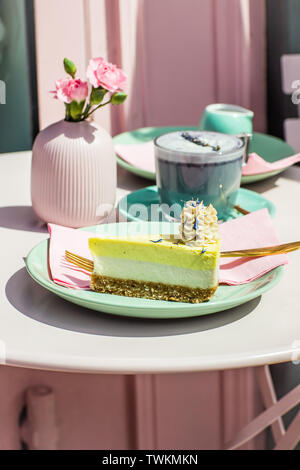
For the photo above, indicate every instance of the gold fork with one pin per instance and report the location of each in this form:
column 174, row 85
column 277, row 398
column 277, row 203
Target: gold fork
column 264, row 251
column 79, row 261
column 88, row 265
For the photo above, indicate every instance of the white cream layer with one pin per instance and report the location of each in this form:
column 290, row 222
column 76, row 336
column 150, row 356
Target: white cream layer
column 155, row 272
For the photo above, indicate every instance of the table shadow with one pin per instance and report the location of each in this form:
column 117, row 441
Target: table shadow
column 127, row 180
column 293, row 172
column 264, row 185
column 21, row 218
column 40, row 305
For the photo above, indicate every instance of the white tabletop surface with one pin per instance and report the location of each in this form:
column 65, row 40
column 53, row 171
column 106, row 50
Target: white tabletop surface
column 40, row 330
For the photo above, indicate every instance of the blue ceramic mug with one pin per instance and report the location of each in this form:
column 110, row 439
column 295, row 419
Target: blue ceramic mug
column 196, row 164
column 227, row 119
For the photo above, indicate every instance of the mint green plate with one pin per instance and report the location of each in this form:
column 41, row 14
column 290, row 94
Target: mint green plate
column 226, row 296
column 144, row 204
column 269, row 148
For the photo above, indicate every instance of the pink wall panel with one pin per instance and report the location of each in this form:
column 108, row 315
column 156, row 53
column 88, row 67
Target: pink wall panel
column 180, row 411
column 189, row 411
column 92, row 410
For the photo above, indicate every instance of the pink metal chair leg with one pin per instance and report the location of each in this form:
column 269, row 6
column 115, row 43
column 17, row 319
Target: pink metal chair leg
column 266, row 418
column 291, row 437
column 267, row 390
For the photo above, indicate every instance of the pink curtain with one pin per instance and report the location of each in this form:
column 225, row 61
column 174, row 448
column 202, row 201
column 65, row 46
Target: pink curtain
column 183, row 55
column 180, row 55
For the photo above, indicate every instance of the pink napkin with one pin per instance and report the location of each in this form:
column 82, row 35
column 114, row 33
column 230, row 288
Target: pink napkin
column 76, row 241
column 257, row 165
column 254, row 230
column 142, row 156
column 138, row 155
column 250, row 231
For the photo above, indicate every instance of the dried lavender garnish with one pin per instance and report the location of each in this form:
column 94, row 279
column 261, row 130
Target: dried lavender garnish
column 196, row 224
column 197, row 141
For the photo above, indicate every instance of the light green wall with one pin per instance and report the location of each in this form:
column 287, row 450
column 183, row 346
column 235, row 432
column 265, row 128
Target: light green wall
column 293, row 8
column 15, row 115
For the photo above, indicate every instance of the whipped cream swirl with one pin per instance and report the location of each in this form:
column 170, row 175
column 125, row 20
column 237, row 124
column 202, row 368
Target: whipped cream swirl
column 199, row 224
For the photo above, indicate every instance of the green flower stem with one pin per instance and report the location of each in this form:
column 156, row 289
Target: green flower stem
column 68, row 114
column 95, row 109
column 86, row 111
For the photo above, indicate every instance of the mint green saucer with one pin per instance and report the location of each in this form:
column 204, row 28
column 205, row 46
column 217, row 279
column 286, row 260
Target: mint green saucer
column 226, row 296
column 144, row 204
column 268, row 147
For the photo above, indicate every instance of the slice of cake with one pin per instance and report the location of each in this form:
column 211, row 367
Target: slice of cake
column 182, row 269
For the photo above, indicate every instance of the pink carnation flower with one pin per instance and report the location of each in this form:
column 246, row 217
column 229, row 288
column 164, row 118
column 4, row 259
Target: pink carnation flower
column 68, row 90
column 102, row 73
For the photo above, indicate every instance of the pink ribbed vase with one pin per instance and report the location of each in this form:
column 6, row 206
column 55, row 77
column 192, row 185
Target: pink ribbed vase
column 73, row 174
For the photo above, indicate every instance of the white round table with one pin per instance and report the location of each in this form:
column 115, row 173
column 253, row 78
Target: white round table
column 40, row 330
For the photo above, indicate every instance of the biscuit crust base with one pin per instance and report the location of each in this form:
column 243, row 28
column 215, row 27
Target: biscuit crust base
column 150, row 290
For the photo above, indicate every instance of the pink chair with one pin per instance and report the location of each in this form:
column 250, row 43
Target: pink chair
column 272, row 416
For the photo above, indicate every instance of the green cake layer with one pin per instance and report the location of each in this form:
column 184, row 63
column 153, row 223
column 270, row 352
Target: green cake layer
column 163, row 252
